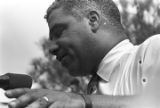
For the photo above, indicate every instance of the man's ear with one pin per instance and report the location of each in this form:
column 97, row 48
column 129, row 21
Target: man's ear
column 94, row 20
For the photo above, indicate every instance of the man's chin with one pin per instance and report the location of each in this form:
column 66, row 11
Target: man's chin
column 74, row 73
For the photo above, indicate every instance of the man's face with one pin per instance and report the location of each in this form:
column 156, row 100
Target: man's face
column 72, row 43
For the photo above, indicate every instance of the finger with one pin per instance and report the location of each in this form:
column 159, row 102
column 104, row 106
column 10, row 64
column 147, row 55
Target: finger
column 22, row 101
column 40, row 103
column 67, row 104
column 25, row 99
column 14, row 93
column 56, row 105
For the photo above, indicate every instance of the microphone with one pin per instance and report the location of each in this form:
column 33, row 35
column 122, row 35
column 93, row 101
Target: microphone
column 12, row 81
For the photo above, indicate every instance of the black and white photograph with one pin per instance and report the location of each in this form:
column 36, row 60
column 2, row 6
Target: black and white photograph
column 79, row 53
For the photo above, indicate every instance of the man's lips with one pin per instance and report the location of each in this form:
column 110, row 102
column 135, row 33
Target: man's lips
column 61, row 56
column 65, row 59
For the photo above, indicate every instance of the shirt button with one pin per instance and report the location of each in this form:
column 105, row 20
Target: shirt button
column 144, row 80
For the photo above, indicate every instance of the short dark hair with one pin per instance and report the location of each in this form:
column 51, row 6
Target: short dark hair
column 106, row 8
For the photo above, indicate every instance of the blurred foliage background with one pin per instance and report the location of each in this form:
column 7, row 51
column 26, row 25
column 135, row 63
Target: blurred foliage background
column 141, row 18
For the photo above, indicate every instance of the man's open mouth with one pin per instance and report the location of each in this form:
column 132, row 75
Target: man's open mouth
column 61, row 56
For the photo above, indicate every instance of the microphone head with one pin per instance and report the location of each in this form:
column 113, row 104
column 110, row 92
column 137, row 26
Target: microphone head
column 18, row 81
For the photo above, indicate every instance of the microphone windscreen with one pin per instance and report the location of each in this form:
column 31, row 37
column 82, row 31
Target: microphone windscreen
column 19, row 81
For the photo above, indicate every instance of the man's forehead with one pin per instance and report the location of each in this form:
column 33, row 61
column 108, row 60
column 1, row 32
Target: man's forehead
column 58, row 16
column 55, row 14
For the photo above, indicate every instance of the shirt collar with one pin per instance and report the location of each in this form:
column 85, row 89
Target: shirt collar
column 112, row 58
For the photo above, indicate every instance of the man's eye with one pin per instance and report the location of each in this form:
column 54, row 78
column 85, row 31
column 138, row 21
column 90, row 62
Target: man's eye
column 57, row 31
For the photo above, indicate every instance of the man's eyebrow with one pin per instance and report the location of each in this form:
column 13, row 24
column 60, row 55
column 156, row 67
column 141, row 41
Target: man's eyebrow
column 57, row 25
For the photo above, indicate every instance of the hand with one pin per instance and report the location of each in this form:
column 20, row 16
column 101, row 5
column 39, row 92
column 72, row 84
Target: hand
column 28, row 98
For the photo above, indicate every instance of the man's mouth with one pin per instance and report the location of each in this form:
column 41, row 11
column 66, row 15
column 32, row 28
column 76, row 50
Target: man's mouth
column 60, row 57
column 64, row 58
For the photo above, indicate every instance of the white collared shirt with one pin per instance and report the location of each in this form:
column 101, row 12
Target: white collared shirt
column 127, row 69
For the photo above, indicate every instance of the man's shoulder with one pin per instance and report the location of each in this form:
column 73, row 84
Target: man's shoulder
column 149, row 47
column 151, row 42
column 155, row 39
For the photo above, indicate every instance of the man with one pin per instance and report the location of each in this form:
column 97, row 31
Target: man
column 88, row 39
